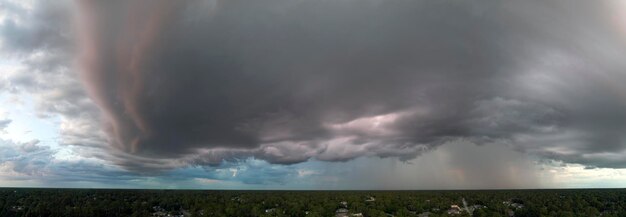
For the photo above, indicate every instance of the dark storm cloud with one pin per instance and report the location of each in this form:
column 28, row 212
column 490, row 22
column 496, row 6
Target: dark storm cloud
column 286, row 81
column 287, row 74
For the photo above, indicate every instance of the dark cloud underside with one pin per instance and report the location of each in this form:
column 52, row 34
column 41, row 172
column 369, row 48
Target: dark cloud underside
column 286, row 81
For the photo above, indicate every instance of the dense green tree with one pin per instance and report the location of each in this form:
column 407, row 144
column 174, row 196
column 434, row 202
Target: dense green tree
column 78, row 202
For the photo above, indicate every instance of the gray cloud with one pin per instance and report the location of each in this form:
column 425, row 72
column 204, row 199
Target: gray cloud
column 457, row 164
column 289, row 81
column 40, row 36
column 31, row 146
column 44, row 26
column 200, row 83
column 35, row 165
column 24, row 160
column 286, row 77
column 4, row 123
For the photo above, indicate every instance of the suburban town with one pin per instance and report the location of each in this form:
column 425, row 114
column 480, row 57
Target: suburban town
column 187, row 203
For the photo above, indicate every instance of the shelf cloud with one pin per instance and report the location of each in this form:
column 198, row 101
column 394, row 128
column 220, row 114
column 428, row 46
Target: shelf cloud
column 165, row 84
column 287, row 81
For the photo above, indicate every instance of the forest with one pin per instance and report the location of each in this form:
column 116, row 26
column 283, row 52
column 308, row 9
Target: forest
column 492, row 203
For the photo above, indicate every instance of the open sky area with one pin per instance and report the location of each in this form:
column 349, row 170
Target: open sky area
column 313, row 94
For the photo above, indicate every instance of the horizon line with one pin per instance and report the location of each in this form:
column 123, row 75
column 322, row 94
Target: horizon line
column 197, row 189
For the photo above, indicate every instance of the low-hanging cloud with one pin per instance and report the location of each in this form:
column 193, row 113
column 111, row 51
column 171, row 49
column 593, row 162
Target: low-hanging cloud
column 287, row 81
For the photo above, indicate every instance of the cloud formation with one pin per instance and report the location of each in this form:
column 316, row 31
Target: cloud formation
column 287, row 81
column 216, row 82
column 33, row 165
column 39, row 37
column 4, row 123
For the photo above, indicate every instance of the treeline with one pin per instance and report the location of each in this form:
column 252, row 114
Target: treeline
column 89, row 202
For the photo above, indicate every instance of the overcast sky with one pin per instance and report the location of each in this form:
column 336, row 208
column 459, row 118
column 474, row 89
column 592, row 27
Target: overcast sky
column 313, row 94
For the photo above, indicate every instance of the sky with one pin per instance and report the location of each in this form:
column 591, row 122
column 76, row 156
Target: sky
column 313, row 94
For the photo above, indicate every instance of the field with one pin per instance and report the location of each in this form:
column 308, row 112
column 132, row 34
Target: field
column 106, row 202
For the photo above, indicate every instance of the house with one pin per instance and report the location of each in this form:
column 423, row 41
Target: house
column 341, row 212
column 454, row 210
column 517, row 205
column 370, row 199
column 344, row 204
column 357, row 215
